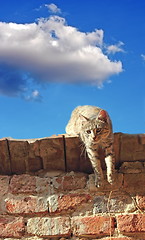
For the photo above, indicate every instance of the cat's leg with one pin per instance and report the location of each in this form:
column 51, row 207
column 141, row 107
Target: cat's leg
column 96, row 165
column 109, row 160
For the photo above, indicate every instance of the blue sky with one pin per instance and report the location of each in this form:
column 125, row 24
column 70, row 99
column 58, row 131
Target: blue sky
column 56, row 55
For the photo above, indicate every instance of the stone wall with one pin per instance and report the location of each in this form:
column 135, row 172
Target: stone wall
column 47, row 191
column 63, row 153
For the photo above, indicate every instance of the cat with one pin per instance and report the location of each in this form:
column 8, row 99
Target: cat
column 94, row 127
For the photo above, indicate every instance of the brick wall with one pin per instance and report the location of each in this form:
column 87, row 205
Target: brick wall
column 47, row 192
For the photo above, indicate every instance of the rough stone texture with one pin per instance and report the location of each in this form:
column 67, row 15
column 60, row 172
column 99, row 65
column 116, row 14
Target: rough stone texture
column 114, row 203
column 134, row 182
column 64, row 152
column 133, row 223
column 42, row 203
column 23, row 184
column 52, row 149
column 4, row 158
column 60, row 203
column 26, row 205
column 70, row 182
column 11, row 226
column 141, row 202
column 92, row 225
column 46, row 226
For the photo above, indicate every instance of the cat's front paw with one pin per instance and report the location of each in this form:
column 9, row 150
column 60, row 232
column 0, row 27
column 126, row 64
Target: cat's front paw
column 98, row 182
column 110, row 179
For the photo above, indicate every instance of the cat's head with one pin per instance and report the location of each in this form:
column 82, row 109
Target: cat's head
column 92, row 128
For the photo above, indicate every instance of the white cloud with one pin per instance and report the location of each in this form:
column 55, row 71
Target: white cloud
column 115, row 48
column 34, row 96
column 143, row 56
column 53, row 8
column 51, row 50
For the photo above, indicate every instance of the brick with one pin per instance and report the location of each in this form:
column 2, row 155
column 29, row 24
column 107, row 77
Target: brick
column 60, row 203
column 4, row 184
column 142, row 138
column 47, row 226
column 4, row 157
column 26, row 205
column 70, row 182
column 133, row 223
column 11, row 226
column 25, row 238
column 93, row 226
column 131, row 167
column 73, row 153
column 114, row 204
column 34, row 162
column 134, row 182
column 119, row 238
column 117, row 145
column 23, row 184
column 131, row 148
column 18, row 154
column 141, row 202
column 52, row 153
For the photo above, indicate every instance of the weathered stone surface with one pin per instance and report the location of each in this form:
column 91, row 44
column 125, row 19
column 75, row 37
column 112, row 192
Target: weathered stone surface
column 11, row 226
column 117, row 203
column 133, row 223
column 52, row 153
column 134, row 182
column 140, row 199
column 18, row 155
column 5, row 166
column 131, row 148
column 47, row 226
column 70, row 182
column 73, row 153
column 69, row 202
column 26, row 205
column 131, row 167
column 92, row 225
column 23, row 184
column 34, row 162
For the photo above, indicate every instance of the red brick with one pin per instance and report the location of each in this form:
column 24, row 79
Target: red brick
column 141, row 202
column 23, row 184
column 4, row 184
column 70, row 182
column 133, row 223
column 11, row 226
column 47, row 226
column 93, row 225
column 67, row 202
column 26, row 205
column 119, row 238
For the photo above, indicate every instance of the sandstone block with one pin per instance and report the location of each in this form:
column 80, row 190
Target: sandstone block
column 52, row 153
column 11, row 226
column 133, row 223
column 69, row 202
column 5, row 167
column 26, row 205
column 131, row 167
column 134, row 182
column 93, row 226
column 47, row 226
column 18, row 155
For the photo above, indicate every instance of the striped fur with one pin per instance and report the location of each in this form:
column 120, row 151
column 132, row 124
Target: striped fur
column 94, row 127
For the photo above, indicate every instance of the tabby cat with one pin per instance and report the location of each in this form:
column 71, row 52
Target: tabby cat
column 94, row 127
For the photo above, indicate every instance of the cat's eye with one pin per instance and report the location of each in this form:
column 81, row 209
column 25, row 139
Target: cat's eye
column 88, row 131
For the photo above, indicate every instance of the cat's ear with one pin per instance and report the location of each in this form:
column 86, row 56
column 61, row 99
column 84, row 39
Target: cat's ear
column 83, row 118
column 103, row 116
